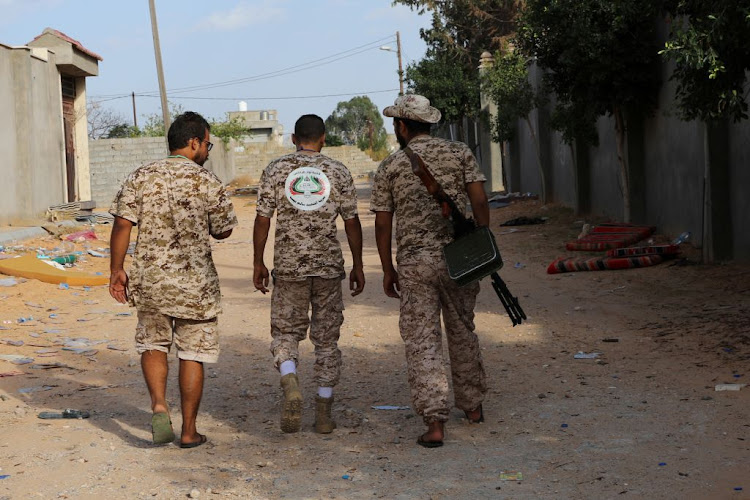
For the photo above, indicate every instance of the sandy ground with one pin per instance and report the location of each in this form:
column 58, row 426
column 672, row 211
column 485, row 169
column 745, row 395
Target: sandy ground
column 642, row 421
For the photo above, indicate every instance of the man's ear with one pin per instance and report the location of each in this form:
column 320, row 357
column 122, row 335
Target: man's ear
column 294, row 139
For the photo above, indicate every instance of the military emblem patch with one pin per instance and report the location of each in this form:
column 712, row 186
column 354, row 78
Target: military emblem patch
column 307, row 188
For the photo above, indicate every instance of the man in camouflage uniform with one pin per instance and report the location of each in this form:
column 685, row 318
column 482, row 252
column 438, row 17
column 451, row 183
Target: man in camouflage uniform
column 176, row 204
column 422, row 277
column 307, row 190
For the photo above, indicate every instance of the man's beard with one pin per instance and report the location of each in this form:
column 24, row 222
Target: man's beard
column 401, row 140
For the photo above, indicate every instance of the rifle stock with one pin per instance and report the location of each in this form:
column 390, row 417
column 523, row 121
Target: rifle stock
column 463, row 225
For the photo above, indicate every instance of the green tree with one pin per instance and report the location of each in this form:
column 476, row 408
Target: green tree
column 461, row 30
column 357, row 122
column 226, row 130
column 123, row 131
column 600, row 58
column 711, row 51
column 155, row 122
column 507, row 84
column 447, row 84
column 710, row 46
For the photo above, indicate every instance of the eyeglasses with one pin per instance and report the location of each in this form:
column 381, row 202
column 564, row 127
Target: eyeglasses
column 209, row 144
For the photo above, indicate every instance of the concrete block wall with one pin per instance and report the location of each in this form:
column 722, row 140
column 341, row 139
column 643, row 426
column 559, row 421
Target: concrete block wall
column 250, row 163
column 111, row 160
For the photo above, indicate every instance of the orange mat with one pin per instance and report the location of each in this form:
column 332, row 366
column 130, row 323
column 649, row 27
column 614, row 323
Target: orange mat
column 28, row 266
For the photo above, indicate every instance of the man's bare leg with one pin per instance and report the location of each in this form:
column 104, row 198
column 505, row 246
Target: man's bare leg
column 191, row 392
column 155, row 370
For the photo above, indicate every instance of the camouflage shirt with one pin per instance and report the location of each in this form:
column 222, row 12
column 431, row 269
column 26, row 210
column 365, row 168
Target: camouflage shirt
column 307, row 192
column 421, row 230
column 176, row 205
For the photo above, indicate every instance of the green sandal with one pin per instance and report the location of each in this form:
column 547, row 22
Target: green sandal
column 161, row 428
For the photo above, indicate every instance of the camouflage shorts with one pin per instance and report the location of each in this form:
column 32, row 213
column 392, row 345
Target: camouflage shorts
column 291, row 302
column 196, row 340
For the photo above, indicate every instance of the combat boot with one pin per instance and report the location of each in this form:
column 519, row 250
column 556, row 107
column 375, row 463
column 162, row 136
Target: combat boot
column 291, row 408
column 324, row 423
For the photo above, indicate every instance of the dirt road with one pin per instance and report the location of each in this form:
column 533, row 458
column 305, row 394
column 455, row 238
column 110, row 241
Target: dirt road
column 641, row 421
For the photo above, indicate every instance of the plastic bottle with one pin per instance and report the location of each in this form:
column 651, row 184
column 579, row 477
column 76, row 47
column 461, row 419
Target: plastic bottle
column 683, row 238
column 65, row 259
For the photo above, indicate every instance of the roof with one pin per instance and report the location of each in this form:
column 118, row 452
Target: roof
column 72, row 41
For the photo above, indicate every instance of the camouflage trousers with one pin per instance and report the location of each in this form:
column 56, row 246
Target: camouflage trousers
column 291, row 302
column 426, row 290
column 196, row 340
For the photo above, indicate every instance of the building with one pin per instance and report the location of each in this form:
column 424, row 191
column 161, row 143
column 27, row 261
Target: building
column 45, row 157
column 262, row 125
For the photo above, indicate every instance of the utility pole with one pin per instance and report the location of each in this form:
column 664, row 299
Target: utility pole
column 135, row 120
column 159, row 69
column 400, row 70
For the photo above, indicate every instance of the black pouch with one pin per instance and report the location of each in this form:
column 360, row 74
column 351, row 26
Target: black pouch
column 472, row 256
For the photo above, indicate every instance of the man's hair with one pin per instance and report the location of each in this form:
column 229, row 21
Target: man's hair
column 309, row 128
column 186, row 126
column 415, row 127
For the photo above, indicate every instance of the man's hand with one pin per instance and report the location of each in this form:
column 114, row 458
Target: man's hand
column 118, row 286
column 390, row 284
column 357, row 281
column 260, row 277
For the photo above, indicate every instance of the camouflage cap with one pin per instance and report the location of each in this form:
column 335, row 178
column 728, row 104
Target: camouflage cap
column 413, row 107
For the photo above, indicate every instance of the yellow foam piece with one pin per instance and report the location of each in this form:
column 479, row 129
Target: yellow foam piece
column 28, row 266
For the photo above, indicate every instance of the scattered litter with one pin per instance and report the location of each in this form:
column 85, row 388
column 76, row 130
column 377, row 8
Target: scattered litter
column 25, row 320
column 610, row 339
column 94, row 253
column 662, row 464
column 511, row 231
column 16, row 359
column 346, row 476
column 390, row 407
column 64, row 286
column 11, row 373
column 65, row 259
column 89, row 234
column 586, row 355
column 738, row 488
column 525, row 221
column 519, row 265
column 67, row 413
column 79, row 350
column 17, row 343
column 564, row 426
column 736, row 375
column 4, row 476
column 729, row 387
column 8, row 282
column 39, row 388
column 48, row 366
column 124, row 314
column 116, row 348
column 511, row 476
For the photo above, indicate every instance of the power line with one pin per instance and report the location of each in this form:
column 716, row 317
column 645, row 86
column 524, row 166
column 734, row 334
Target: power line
column 281, row 72
column 275, row 98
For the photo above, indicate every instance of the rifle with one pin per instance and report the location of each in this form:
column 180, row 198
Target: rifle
column 462, row 226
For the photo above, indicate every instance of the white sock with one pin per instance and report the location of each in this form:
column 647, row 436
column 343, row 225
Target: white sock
column 325, row 392
column 288, row 367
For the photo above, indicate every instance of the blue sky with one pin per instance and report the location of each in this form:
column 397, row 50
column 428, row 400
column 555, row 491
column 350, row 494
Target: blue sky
column 322, row 48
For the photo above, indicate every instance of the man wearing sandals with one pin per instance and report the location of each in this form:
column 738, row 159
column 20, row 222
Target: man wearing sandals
column 422, row 277
column 177, row 205
column 308, row 192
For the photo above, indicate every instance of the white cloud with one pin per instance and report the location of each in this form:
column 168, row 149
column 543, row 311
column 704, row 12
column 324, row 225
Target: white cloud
column 242, row 15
